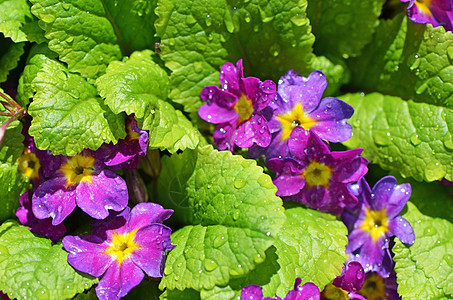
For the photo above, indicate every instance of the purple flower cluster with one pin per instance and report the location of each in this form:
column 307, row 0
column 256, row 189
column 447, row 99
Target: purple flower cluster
column 434, row 12
column 125, row 244
column 308, row 291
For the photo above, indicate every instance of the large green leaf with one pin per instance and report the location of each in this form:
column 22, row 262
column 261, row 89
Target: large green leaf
column 68, row 116
column 12, row 146
column 425, row 269
column 310, row 245
column 198, row 36
column 238, row 217
column 88, row 34
column 412, row 138
column 12, row 184
column 32, row 268
column 15, row 13
column 138, row 86
column 407, row 59
column 343, row 28
column 10, row 54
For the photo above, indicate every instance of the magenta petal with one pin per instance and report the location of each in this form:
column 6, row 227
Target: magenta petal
column 351, row 171
column 105, row 191
column 52, row 200
column 352, row 277
column 288, row 185
column 382, row 190
column 155, row 241
column 252, row 292
column 309, row 291
column 86, row 256
column 144, row 214
column 298, row 142
column 398, row 199
column 253, row 131
column 212, row 94
column 264, row 94
column 215, row 114
column 333, row 131
column 230, row 76
column 223, row 136
column 119, row 280
column 356, row 239
column 400, row 227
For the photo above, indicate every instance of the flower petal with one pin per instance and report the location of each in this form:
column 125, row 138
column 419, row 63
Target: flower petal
column 215, row 114
column 144, row 214
column 264, row 95
column 252, row 292
column 223, row 136
column 253, row 131
column 213, row 94
column 230, row 76
column 308, row 291
column 400, row 227
column 398, row 199
column 352, row 277
column 382, row 190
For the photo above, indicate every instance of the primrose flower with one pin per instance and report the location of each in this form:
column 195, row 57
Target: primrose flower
column 123, row 247
column 80, row 181
column 316, row 176
column 43, row 227
column 126, row 153
column 347, row 284
column 298, row 104
column 308, row 291
column 239, row 108
column 375, row 221
column 377, row 288
column 434, row 12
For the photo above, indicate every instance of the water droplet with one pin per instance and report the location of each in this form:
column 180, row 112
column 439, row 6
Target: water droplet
column 422, row 88
column 239, row 183
column 168, row 270
column 448, row 258
column 171, row 42
column 228, row 20
column 397, row 249
column 236, row 215
column 247, row 17
column 48, row 18
column 321, row 235
column 415, row 65
column 256, row 28
column 208, row 20
column 265, row 17
column 66, row 6
column 434, row 170
column 382, row 138
column 139, row 13
column 258, row 258
column 265, row 181
column 448, row 142
column 219, row 241
column 429, row 231
column 190, row 20
column 274, row 50
column 180, row 265
column 210, row 265
column 415, row 140
column 237, row 270
column 299, row 20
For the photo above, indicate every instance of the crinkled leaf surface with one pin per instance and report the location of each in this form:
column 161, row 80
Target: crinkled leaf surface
column 89, row 34
column 13, row 17
column 425, row 269
column 198, row 36
column 12, row 184
column 238, row 217
column 12, row 146
column 412, row 138
column 310, row 245
column 68, row 116
column 407, row 59
column 10, row 54
column 343, row 28
column 138, row 86
column 32, row 268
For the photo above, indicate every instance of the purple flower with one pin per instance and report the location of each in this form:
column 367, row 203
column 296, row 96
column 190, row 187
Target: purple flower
column 43, row 227
column 347, row 284
column 126, row 153
column 298, row 104
column 434, row 12
column 375, row 221
column 316, row 176
column 239, row 108
column 80, row 181
column 378, row 288
column 308, row 291
column 123, row 247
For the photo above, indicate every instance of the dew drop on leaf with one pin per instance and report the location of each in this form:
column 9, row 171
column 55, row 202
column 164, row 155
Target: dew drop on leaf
column 210, row 265
column 415, row 140
column 219, row 241
column 434, row 170
column 448, row 258
column 448, row 142
column 382, row 138
column 239, row 183
column 429, row 231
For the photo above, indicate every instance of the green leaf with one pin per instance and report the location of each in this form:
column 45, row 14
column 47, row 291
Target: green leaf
column 10, row 54
column 146, row 290
column 414, row 139
column 88, row 35
column 12, row 146
column 32, row 268
column 68, row 116
column 14, row 16
column 38, row 55
column 138, row 86
column 187, row 294
column 343, row 28
column 409, row 60
column 12, row 185
column 310, row 245
column 425, row 269
column 238, row 214
column 198, row 36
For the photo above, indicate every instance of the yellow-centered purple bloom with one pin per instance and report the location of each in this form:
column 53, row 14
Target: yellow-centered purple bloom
column 316, row 176
column 239, row 107
column 308, row 291
column 434, row 12
column 375, row 221
column 377, row 288
column 298, row 104
column 80, row 181
column 123, row 248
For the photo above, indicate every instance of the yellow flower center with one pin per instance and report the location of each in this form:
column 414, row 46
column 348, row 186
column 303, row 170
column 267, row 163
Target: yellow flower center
column 296, row 117
column 317, row 174
column 131, row 134
column 423, row 6
column 332, row 292
column 29, row 165
column 78, row 169
column 244, row 108
column 373, row 287
column 122, row 246
column 375, row 223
